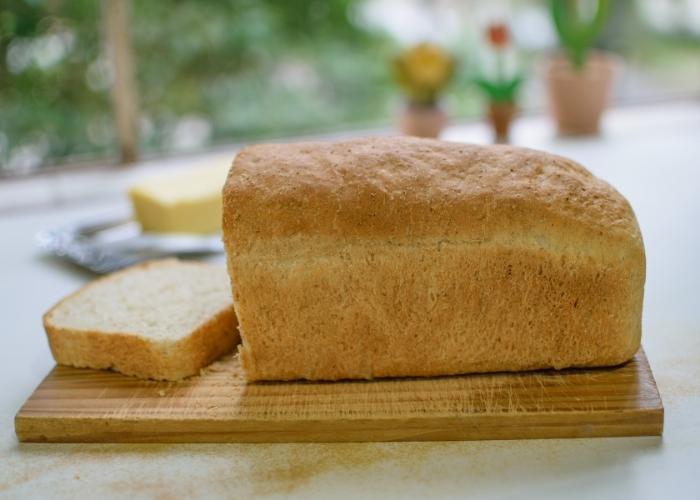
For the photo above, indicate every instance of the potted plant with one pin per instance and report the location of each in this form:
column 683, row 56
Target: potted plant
column 579, row 80
column 422, row 72
column 501, row 88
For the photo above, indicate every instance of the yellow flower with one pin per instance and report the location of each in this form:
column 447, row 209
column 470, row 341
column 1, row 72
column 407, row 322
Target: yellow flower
column 423, row 71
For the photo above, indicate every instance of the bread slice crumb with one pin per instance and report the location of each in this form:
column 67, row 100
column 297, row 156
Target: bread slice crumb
column 161, row 320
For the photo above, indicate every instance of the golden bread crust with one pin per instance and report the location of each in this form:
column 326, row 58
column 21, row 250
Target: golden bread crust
column 400, row 256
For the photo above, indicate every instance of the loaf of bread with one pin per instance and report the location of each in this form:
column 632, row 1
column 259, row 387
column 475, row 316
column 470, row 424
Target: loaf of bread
column 162, row 320
column 385, row 257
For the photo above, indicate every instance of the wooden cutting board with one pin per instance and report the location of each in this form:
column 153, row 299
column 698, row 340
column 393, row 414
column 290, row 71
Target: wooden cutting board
column 81, row 405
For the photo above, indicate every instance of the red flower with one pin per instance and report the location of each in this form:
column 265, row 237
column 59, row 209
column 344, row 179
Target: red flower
column 498, row 35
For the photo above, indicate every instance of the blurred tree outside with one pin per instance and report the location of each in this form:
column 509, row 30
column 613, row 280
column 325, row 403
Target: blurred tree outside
column 223, row 71
column 216, row 70
column 208, row 71
column 54, row 99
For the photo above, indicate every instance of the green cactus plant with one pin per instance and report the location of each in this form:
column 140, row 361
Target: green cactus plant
column 576, row 34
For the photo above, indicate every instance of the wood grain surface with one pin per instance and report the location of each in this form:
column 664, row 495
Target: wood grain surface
column 82, row 405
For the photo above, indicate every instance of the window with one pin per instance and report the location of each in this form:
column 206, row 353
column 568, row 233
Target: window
column 211, row 72
column 54, row 100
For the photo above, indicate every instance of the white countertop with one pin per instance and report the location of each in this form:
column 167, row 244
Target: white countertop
column 652, row 155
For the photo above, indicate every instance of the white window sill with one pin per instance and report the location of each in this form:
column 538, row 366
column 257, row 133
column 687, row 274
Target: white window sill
column 621, row 127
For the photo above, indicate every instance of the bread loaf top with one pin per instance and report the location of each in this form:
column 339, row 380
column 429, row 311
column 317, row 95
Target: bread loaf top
column 407, row 189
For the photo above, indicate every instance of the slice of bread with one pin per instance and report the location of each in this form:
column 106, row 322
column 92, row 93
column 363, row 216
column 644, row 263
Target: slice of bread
column 162, row 320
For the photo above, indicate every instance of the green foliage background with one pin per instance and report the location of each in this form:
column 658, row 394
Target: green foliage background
column 223, row 59
column 52, row 104
column 251, row 69
column 215, row 59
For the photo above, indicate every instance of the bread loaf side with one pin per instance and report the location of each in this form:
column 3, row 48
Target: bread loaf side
column 411, row 257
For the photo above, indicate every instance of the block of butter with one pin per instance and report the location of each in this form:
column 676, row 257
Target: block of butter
column 182, row 202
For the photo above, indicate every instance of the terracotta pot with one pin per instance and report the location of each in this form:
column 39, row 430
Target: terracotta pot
column 577, row 99
column 501, row 115
column 422, row 121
